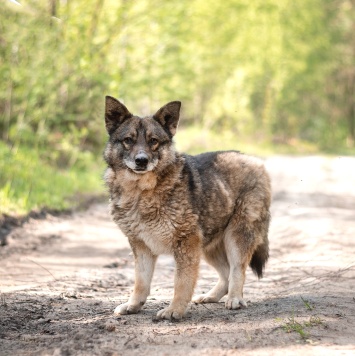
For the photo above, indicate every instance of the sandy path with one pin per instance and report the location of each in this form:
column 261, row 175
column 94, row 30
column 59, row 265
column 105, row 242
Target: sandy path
column 61, row 278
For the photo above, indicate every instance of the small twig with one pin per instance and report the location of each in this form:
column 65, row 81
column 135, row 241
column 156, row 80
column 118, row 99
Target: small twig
column 43, row 268
column 130, row 339
column 211, row 311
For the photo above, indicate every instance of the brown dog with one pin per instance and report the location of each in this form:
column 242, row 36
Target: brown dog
column 215, row 204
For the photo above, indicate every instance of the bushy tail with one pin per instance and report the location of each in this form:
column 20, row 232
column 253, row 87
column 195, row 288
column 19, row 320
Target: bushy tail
column 259, row 259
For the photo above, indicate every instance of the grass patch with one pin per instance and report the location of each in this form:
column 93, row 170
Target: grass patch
column 194, row 140
column 292, row 325
column 307, row 304
column 29, row 180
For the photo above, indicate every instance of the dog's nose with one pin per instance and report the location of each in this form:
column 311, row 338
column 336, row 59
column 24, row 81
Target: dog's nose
column 141, row 160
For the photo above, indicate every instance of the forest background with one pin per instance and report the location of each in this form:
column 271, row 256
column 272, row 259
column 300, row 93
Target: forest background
column 261, row 76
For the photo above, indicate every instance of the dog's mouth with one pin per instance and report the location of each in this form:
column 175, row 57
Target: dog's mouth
column 140, row 170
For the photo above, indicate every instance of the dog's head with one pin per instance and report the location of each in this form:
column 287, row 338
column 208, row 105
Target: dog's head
column 140, row 144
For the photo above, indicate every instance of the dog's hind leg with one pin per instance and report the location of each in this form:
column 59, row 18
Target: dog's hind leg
column 144, row 268
column 239, row 244
column 246, row 243
column 216, row 257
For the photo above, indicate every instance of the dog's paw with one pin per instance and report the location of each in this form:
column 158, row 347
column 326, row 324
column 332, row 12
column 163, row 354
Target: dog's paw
column 170, row 313
column 204, row 298
column 127, row 308
column 236, row 303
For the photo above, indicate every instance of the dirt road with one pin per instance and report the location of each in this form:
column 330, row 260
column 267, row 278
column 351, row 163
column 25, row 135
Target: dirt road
column 61, row 278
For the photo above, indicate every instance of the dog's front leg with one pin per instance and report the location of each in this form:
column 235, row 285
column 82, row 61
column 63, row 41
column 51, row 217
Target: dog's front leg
column 144, row 268
column 187, row 257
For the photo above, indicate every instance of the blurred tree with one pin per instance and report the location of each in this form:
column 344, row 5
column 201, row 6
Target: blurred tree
column 280, row 69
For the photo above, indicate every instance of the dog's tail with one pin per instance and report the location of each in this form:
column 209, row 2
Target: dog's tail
column 261, row 254
column 259, row 258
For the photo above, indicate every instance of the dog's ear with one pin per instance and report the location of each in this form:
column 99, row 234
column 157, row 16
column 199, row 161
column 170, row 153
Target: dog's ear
column 168, row 116
column 115, row 114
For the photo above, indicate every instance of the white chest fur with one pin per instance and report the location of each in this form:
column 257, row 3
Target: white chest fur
column 140, row 212
column 147, row 223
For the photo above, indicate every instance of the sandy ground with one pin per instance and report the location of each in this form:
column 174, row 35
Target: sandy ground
column 61, row 278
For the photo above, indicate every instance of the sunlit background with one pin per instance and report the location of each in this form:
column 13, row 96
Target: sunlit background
column 263, row 76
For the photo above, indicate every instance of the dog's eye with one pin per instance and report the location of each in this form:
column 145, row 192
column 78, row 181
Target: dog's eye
column 153, row 141
column 128, row 141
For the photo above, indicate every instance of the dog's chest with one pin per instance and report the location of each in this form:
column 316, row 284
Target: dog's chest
column 147, row 217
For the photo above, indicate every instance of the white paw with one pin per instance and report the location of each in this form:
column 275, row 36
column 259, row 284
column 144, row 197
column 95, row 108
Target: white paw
column 236, row 303
column 170, row 314
column 127, row 308
column 204, row 298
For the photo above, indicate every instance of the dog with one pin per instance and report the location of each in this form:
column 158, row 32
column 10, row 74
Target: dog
column 214, row 205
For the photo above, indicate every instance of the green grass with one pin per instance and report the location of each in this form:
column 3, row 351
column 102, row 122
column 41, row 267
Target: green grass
column 307, row 304
column 292, row 325
column 194, row 140
column 29, row 180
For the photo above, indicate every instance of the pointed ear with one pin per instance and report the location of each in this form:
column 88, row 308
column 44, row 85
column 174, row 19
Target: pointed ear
column 115, row 114
column 168, row 117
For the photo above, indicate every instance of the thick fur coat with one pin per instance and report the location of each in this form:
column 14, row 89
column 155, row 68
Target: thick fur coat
column 214, row 205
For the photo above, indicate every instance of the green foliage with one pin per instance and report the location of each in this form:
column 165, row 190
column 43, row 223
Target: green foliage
column 282, row 69
column 195, row 140
column 275, row 72
column 29, row 181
